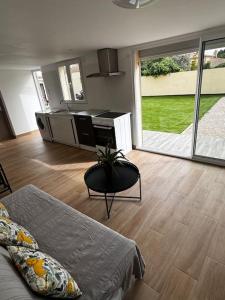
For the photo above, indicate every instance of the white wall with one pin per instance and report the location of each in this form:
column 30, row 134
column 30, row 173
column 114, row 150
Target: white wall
column 102, row 93
column 181, row 83
column 21, row 99
column 184, row 83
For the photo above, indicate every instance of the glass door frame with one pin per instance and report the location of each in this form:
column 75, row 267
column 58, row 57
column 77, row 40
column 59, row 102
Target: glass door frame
column 137, row 110
column 137, row 100
column 194, row 156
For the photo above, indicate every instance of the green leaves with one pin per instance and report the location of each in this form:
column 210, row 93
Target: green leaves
column 160, row 66
column 221, row 53
column 110, row 157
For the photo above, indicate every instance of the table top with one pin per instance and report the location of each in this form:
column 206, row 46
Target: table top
column 124, row 176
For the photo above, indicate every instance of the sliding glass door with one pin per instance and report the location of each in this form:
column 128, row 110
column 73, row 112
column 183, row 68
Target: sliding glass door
column 209, row 141
column 175, row 117
column 168, row 85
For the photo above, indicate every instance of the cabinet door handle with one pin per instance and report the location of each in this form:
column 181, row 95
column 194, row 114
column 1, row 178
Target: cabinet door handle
column 75, row 140
column 102, row 127
column 84, row 133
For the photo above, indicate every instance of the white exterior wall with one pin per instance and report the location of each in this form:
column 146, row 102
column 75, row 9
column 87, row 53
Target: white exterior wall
column 20, row 98
column 184, row 83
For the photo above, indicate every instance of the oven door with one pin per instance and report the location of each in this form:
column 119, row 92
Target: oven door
column 105, row 135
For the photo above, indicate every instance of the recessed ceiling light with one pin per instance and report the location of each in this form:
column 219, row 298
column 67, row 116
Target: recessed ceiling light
column 132, row 3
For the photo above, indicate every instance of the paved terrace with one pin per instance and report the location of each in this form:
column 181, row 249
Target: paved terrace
column 211, row 136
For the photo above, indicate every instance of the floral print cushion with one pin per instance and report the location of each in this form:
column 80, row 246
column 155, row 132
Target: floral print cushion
column 3, row 211
column 43, row 273
column 12, row 234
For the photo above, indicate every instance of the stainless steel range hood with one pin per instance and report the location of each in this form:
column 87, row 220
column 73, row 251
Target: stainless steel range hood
column 108, row 63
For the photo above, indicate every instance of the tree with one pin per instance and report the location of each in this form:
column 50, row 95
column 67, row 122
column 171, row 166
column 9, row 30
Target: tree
column 194, row 61
column 160, row 66
column 207, row 65
column 221, row 53
column 183, row 61
column 194, row 65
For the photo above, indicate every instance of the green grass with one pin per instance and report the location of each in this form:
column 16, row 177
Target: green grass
column 172, row 113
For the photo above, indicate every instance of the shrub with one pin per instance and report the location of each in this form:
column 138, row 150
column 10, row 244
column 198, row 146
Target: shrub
column 207, row 65
column 194, row 65
column 160, row 66
column 220, row 65
column 183, row 60
column 221, row 53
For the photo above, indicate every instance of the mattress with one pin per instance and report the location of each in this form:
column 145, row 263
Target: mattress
column 102, row 261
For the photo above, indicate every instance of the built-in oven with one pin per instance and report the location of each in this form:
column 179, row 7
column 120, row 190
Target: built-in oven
column 105, row 135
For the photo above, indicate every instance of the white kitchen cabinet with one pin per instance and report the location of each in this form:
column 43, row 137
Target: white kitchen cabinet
column 123, row 133
column 63, row 129
column 113, row 129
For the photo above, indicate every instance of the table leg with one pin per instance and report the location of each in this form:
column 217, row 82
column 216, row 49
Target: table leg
column 89, row 195
column 109, row 207
column 140, row 187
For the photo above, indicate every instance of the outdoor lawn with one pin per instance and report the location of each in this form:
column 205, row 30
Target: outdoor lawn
column 172, row 113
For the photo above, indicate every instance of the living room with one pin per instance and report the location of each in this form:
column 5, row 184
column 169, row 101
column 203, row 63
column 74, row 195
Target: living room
column 86, row 211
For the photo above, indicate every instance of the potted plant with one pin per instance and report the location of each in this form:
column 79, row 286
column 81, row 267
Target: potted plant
column 108, row 159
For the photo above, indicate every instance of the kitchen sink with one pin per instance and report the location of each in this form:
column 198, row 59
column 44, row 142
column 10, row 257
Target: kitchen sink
column 65, row 112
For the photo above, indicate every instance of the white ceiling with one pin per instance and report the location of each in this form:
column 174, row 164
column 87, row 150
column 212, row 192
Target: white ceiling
column 36, row 32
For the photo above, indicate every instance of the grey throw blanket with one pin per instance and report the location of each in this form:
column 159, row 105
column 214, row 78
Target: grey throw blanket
column 100, row 260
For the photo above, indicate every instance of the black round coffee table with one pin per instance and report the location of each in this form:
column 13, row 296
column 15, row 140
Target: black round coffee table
column 123, row 177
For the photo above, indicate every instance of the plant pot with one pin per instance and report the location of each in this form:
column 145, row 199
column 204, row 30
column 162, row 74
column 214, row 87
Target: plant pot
column 108, row 171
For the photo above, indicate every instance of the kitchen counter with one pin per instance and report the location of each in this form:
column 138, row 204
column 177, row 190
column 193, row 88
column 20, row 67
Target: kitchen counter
column 91, row 113
column 86, row 129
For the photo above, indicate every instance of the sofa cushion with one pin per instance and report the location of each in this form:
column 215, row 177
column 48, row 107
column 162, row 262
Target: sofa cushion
column 12, row 285
column 3, row 211
column 43, row 273
column 13, row 234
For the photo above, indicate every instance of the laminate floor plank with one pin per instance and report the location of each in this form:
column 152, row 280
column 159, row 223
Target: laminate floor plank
column 140, row 290
column 192, row 253
column 211, row 283
column 178, row 286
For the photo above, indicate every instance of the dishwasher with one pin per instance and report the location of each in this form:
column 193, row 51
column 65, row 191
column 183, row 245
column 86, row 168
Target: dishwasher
column 85, row 132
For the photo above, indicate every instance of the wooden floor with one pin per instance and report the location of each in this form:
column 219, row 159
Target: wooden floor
column 179, row 226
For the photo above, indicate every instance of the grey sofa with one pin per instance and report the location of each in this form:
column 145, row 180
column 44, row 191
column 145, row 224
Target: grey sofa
column 102, row 261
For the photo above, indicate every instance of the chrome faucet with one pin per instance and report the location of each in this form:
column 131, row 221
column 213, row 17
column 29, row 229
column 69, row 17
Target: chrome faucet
column 67, row 106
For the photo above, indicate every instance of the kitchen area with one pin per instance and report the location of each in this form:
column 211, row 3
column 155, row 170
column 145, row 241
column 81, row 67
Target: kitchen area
column 68, row 123
column 89, row 130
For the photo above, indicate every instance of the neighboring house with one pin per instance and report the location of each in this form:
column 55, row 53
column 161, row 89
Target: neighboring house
column 214, row 61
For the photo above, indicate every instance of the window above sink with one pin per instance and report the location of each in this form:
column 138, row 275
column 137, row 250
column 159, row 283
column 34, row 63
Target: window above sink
column 72, row 81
